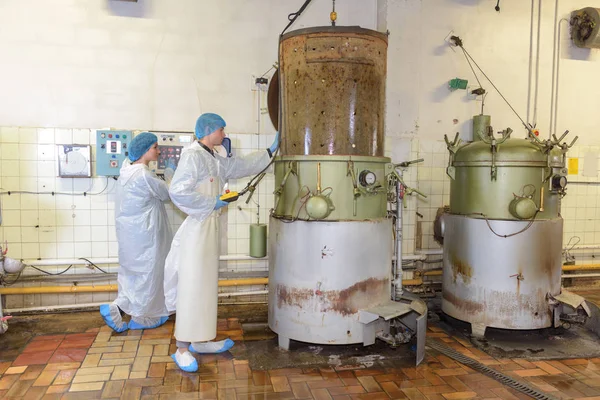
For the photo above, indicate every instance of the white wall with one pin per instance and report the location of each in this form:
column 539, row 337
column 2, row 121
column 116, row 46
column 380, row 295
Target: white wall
column 87, row 63
column 421, row 64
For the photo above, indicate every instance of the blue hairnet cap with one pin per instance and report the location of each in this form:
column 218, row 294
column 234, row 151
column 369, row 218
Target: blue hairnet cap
column 141, row 144
column 208, row 123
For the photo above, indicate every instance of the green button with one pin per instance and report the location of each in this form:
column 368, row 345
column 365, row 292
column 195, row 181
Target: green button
column 124, row 136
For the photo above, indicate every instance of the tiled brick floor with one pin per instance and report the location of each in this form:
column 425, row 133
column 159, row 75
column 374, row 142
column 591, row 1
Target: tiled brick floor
column 136, row 365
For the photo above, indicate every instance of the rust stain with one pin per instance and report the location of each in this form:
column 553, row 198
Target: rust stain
column 293, row 296
column 464, row 305
column 460, row 267
column 507, row 310
column 346, row 302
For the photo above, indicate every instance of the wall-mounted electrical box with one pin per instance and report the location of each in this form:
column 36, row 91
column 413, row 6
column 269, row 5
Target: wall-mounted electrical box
column 170, row 145
column 74, row 161
column 111, row 149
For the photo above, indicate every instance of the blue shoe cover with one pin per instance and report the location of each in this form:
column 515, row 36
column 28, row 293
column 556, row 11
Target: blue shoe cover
column 135, row 325
column 108, row 319
column 227, row 344
column 193, row 367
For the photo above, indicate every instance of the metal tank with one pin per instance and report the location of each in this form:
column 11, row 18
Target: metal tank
column 502, row 234
column 330, row 238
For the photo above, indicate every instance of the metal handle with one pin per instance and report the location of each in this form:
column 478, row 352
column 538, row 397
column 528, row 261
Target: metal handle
column 573, row 142
column 407, row 163
column 451, row 143
column 318, row 178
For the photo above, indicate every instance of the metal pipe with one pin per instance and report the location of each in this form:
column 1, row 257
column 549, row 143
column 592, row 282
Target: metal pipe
column 114, row 288
column 413, row 257
column 431, row 252
column 95, row 276
column 570, row 248
column 557, row 74
column 69, row 261
column 397, row 273
column 580, row 267
column 583, row 247
column 59, row 289
column 235, row 257
column 412, row 282
column 537, row 62
column 91, row 276
column 115, row 260
column 573, row 276
column 438, row 271
column 95, row 305
column 237, row 294
column 552, row 129
column 87, row 274
column 3, row 324
column 530, row 61
column 240, row 258
column 243, row 282
column 55, row 308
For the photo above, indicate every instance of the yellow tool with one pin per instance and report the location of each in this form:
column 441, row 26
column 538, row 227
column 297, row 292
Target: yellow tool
column 229, row 196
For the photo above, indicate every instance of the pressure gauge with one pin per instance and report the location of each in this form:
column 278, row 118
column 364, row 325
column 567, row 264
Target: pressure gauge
column 367, row 178
column 559, row 182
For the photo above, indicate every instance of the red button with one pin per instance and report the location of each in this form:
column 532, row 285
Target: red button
column 110, row 135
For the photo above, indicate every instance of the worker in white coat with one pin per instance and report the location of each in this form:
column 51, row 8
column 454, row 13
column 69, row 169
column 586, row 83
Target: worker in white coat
column 191, row 275
column 144, row 237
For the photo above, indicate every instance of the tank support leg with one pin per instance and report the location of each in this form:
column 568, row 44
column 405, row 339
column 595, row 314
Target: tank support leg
column 478, row 330
column 284, row 342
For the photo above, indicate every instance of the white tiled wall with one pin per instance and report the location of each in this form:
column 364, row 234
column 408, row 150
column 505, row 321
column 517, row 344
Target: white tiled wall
column 70, row 225
column 434, row 183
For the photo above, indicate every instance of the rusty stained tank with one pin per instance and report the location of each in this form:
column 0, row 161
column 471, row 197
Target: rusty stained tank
column 333, row 97
column 330, row 244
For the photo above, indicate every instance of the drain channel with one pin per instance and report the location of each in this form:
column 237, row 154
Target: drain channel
column 499, row 376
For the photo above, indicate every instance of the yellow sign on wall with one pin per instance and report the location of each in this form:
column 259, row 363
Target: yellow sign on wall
column 573, row 166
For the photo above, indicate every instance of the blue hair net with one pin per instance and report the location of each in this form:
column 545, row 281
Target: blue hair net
column 208, row 123
column 141, row 144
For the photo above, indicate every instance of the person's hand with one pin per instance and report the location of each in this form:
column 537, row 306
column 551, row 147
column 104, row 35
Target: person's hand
column 171, row 164
column 170, row 171
column 275, row 144
column 220, row 203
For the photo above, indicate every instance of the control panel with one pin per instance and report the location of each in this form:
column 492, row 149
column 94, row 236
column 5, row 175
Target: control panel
column 170, row 145
column 111, row 149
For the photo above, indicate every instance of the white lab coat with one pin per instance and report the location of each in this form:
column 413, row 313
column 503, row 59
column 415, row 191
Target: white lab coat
column 192, row 267
column 144, row 236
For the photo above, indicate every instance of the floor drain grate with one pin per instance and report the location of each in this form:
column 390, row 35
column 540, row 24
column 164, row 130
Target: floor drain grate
column 500, row 377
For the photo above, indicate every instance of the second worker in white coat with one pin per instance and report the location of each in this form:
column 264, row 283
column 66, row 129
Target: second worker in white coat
column 144, row 238
column 192, row 266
